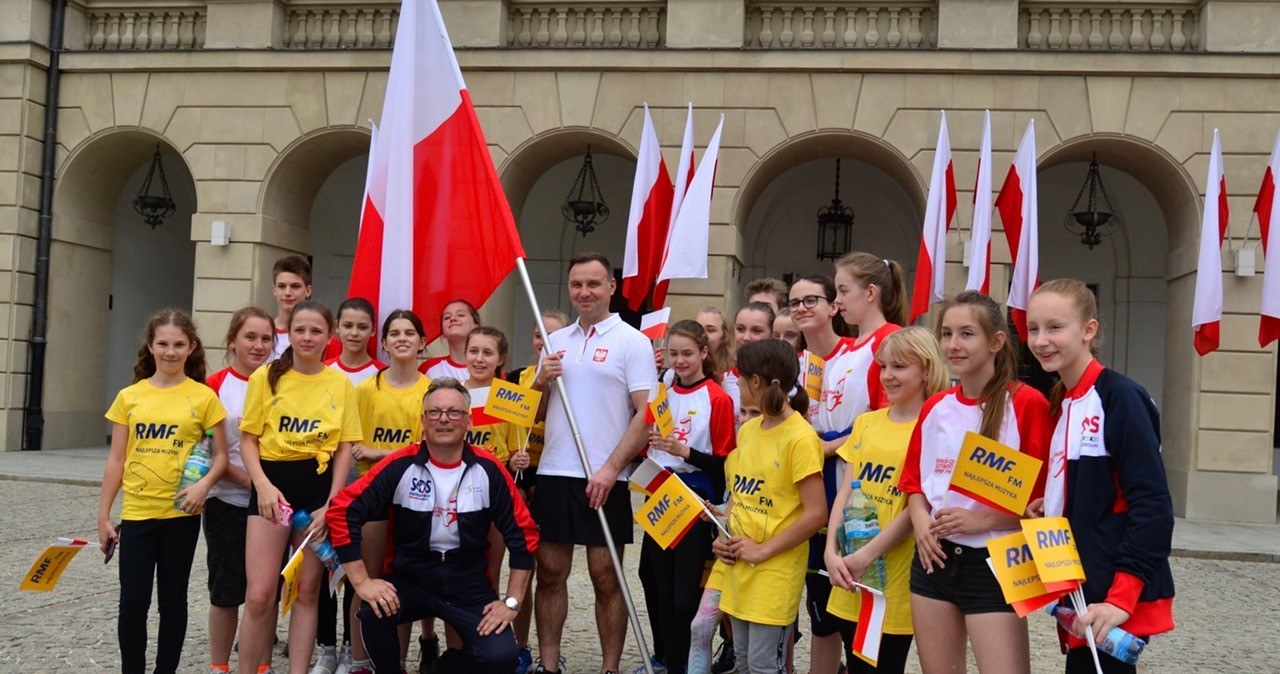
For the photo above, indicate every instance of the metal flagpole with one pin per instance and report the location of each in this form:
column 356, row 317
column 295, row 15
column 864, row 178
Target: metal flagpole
column 587, row 471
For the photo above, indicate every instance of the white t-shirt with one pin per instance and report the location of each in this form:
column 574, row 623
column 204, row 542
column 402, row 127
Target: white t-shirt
column 730, row 385
column 444, row 517
column 359, row 374
column 230, row 387
column 603, row 366
column 281, row 343
column 444, row 366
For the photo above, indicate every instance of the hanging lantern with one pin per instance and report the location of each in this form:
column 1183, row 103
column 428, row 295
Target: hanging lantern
column 585, row 206
column 1093, row 218
column 154, row 208
column 835, row 226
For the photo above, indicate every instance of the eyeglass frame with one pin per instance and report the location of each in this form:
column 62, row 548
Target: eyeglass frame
column 451, row 415
column 809, row 302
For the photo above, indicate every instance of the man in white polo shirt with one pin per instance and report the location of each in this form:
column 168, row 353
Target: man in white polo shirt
column 607, row 368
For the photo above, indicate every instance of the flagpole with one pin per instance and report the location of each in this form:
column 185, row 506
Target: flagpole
column 587, row 471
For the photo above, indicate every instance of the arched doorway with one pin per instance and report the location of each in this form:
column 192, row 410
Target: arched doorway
column 109, row 268
column 536, row 179
column 777, row 205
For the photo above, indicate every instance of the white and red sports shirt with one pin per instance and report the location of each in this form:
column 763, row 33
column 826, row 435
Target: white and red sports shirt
column 937, row 438
column 704, row 415
column 231, row 388
column 851, row 383
column 444, row 366
column 359, row 374
column 730, row 385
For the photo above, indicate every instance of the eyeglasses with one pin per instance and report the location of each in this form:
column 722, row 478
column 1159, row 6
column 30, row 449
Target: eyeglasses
column 809, row 302
column 453, row 415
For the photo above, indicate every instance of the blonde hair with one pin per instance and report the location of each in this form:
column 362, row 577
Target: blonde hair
column 1086, row 307
column 917, row 345
column 721, row 355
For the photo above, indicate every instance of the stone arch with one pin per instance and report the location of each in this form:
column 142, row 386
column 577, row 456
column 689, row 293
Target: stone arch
column 290, row 186
column 95, row 282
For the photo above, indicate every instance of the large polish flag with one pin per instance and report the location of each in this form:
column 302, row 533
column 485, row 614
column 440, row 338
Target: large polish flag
column 446, row 232
column 931, row 263
column 686, row 255
column 649, row 220
column 1268, row 209
column 684, row 177
column 1018, row 203
column 1206, row 311
column 980, row 232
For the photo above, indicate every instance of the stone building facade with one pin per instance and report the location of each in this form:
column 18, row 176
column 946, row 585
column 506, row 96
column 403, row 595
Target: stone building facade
column 260, row 109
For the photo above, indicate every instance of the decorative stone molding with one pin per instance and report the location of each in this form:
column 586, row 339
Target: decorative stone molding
column 1114, row 26
column 848, row 24
column 338, row 27
column 595, row 24
column 173, row 26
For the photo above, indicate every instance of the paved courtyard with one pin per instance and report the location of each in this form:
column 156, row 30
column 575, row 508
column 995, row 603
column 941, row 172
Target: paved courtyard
column 1226, row 610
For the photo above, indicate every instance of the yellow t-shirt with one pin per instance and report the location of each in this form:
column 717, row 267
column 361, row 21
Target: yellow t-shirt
column 537, row 434
column 876, row 448
column 306, row 417
column 762, row 474
column 390, row 417
column 163, row 424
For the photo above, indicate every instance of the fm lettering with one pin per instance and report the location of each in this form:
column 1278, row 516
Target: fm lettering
column 1091, row 424
column 290, row 424
column 1053, row 538
column 1016, row 556
column 508, row 394
column 876, row 472
column 659, row 510
column 143, row 431
column 992, row 460
column 394, row 436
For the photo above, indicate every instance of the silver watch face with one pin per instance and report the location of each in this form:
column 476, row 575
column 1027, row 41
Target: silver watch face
column 512, row 603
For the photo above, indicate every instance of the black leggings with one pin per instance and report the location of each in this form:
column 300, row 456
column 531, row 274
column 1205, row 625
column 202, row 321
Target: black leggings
column 1080, row 661
column 677, row 575
column 894, row 649
column 156, row 552
column 327, row 628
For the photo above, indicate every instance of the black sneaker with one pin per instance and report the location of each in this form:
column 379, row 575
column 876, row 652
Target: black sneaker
column 430, row 653
column 724, row 662
column 542, row 669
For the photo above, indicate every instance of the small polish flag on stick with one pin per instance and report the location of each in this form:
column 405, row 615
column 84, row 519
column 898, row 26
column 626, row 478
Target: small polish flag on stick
column 648, row 476
column 866, row 640
column 686, row 255
column 980, row 233
column 1206, row 311
column 650, row 219
column 684, row 177
column 654, row 324
column 1018, row 203
column 931, row 264
column 1268, row 209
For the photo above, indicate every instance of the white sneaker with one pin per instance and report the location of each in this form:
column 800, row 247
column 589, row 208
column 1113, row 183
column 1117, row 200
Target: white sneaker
column 344, row 659
column 326, row 660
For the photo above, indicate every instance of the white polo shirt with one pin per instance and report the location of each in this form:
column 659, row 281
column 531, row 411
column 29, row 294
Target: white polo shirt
column 603, row 366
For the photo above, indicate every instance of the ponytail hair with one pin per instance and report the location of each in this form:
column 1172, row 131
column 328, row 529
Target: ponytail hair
column 694, row 330
column 774, row 361
column 145, row 366
column 838, row 324
column 284, row 363
column 992, row 321
column 886, row 275
column 1086, row 307
column 406, row 314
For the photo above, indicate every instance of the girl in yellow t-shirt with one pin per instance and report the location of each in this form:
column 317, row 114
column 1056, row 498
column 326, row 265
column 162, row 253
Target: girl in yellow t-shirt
column 911, row 370
column 776, row 503
column 155, row 423
column 299, row 423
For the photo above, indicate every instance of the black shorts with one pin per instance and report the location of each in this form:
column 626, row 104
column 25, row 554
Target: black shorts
column 224, row 532
column 528, row 479
column 965, row 581
column 298, row 481
column 563, row 516
column 817, row 593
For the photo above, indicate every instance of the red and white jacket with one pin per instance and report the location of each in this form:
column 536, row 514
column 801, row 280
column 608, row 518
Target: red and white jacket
column 850, row 383
column 938, row 436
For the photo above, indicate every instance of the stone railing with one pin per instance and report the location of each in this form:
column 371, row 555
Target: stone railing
column 598, row 24
column 172, row 27
column 1114, row 27
column 847, row 24
column 338, row 27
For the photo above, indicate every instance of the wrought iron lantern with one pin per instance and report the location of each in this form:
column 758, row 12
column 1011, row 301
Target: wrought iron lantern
column 585, row 206
column 154, row 208
column 1096, row 217
column 835, row 226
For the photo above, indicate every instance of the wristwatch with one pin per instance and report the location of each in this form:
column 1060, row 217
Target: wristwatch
column 512, row 603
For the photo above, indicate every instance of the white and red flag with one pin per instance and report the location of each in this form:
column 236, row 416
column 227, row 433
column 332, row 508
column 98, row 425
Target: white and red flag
column 649, row 220
column 446, row 230
column 1268, row 209
column 686, row 255
column 654, row 324
column 980, row 232
column 683, row 178
column 866, row 639
column 1206, row 310
column 931, row 263
column 1018, row 203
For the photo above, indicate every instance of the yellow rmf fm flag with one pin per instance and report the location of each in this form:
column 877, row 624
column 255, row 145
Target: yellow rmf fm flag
column 995, row 474
column 660, row 410
column 292, row 574
column 1054, row 548
column 669, row 514
column 48, row 567
column 512, row 402
column 813, row 367
column 1015, row 569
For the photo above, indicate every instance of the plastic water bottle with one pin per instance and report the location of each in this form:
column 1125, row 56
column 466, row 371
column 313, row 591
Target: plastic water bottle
column 1118, row 643
column 861, row 524
column 328, row 556
column 196, row 467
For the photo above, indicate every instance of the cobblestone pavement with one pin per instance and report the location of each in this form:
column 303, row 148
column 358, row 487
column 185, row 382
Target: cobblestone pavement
column 1227, row 611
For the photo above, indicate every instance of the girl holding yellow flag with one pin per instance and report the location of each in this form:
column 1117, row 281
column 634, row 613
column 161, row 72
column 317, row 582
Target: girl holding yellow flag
column 911, row 371
column 1105, row 475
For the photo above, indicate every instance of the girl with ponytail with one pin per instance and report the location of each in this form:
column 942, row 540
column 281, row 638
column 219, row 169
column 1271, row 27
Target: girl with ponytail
column 775, row 505
column 953, row 592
